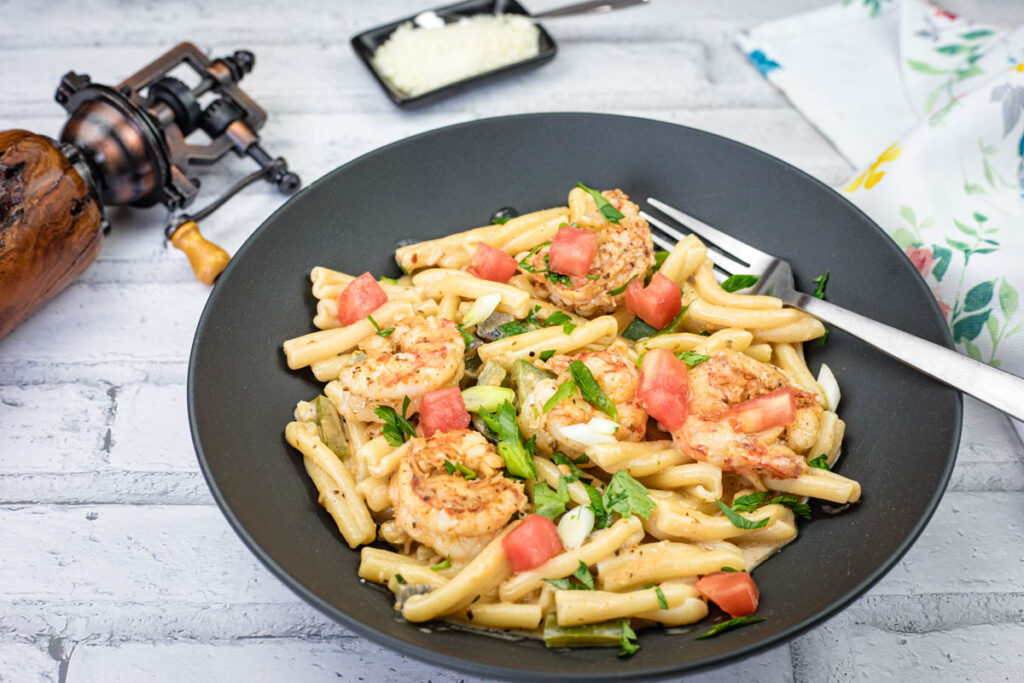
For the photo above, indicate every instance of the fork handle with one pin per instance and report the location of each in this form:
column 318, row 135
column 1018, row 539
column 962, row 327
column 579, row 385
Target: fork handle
column 997, row 388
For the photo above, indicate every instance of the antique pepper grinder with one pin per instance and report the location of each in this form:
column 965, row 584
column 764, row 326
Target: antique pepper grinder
column 122, row 145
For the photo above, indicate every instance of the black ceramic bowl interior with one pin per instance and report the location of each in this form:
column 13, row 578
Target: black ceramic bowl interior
column 367, row 42
column 902, row 432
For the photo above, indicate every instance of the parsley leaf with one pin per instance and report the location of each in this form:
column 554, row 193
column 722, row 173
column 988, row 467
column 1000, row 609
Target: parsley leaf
column 593, row 276
column 729, row 625
column 399, row 578
column 524, row 263
column 629, row 648
column 728, row 569
column 389, row 280
column 549, row 503
column 620, row 290
column 822, row 339
column 638, row 329
column 518, row 460
column 560, row 318
column 591, row 390
column 512, row 328
column 466, row 336
column 626, row 496
column 575, row 473
column 453, row 467
column 752, row 501
column 606, row 208
column 692, row 358
column 821, row 462
column 553, row 277
column 584, row 580
column 446, row 563
column 501, row 221
column 564, row 391
column 602, row 518
column 546, row 355
column 739, row 521
column 662, row 602
column 397, row 430
column 531, row 317
column 819, row 289
column 734, row 283
column 380, row 333
column 659, row 258
column 640, row 360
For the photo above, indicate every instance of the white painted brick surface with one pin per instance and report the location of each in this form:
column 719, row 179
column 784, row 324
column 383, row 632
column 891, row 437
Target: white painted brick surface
column 115, row 565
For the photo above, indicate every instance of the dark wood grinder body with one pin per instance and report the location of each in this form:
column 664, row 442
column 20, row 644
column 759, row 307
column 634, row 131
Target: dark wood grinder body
column 51, row 224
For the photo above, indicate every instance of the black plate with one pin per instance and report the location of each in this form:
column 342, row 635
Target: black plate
column 367, row 42
column 903, row 428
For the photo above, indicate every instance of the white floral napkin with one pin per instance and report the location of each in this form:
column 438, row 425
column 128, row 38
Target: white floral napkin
column 928, row 105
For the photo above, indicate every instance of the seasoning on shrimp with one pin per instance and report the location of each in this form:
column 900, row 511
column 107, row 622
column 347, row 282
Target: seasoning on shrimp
column 454, row 514
column 419, row 356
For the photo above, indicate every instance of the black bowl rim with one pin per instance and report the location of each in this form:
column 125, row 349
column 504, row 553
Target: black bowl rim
column 477, row 668
column 513, row 7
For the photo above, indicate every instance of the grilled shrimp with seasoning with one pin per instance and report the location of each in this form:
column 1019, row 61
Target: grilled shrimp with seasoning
column 616, row 373
column 727, row 379
column 624, row 251
column 419, row 356
column 455, row 515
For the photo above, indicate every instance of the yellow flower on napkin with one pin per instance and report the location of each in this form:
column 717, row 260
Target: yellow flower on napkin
column 870, row 177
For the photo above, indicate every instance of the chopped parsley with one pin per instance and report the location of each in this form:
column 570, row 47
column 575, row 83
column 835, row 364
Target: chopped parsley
column 662, row 602
column 564, row 391
column 738, row 520
column 819, row 284
column 575, row 473
column 389, row 280
column 560, row 318
column 446, row 563
column 546, row 355
column 692, row 358
column 638, row 329
column 752, row 501
column 734, row 283
column 580, row 580
column 466, row 336
column 606, row 208
column 729, row 625
column 399, row 578
column 553, row 277
column 728, row 569
column 629, row 646
column 397, row 429
column 821, row 462
column 380, row 332
column 620, row 290
column 513, row 328
column 518, row 458
column 591, row 390
column 626, row 496
column 453, row 467
column 524, row 263
column 548, row 502
column 501, row 221
column 822, row 339
column 659, row 258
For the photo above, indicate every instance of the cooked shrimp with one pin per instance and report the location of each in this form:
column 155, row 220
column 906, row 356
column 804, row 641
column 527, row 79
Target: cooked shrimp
column 728, row 379
column 624, row 251
column 419, row 356
column 615, row 370
column 454, row 515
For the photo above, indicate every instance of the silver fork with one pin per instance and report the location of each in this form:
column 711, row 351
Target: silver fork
column 995, row 387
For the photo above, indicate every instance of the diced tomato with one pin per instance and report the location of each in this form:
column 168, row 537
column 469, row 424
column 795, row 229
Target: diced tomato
column 492, row 264
column 532, row 543
column 775, row 409
column 362, row 297
column 735, row 592
column 572, row 250
column 657, row 303
column 442, row 411
column 664, row 388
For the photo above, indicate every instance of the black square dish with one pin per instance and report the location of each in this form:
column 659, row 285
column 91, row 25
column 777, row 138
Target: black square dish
column 367, row 42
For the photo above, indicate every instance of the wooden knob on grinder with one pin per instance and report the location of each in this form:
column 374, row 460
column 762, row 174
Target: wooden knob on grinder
column 207, row 259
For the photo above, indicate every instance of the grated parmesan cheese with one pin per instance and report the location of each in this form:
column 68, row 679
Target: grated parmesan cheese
column 416, row 60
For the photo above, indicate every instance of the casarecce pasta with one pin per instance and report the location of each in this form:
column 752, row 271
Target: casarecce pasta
column 561, row 432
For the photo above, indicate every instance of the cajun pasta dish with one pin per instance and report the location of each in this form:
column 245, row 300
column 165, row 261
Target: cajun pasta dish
column 559, row 431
